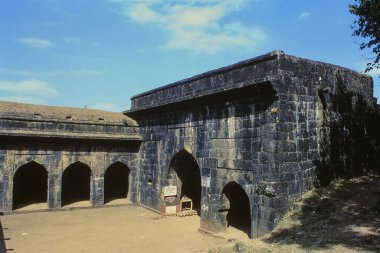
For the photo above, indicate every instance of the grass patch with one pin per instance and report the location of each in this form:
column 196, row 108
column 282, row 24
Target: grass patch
column 344, row 213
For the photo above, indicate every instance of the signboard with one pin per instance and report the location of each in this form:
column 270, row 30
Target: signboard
column 206, row 177
column 171, row 210
column 170, row 190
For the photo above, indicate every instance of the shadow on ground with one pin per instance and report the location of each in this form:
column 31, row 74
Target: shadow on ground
column 346, row 213
column 2, row 240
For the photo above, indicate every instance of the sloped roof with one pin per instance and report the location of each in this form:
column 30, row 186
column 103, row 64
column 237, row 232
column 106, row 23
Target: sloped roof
column 65, row 114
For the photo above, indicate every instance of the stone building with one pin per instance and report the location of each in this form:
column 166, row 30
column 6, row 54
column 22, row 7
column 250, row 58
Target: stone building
column 236, row 145
column 61, row 155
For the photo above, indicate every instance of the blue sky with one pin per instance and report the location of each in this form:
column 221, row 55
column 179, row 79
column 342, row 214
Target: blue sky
column 97, row 54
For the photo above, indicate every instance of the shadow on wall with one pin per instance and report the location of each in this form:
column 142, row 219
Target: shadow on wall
column 350, row 138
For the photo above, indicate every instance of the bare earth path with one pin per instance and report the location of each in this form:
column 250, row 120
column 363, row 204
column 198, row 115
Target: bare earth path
column 113, row 229
column 341, row 218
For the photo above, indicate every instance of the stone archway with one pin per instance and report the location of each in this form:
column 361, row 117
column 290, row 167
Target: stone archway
column 116, row 182
column 239, row 212
column 30, row 185
column 184, row 173
column 76, row 183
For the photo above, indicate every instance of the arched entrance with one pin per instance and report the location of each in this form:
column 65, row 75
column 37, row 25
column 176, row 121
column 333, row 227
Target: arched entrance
column 76, row 183
column 239, row 213
column 185, row 167
column 116, row 182
column 30, row 185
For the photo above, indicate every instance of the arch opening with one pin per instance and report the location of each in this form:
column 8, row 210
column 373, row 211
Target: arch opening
column 239, row 212
column 30, row 185
column 76, row 183
column 116, row 182
column 185, row 167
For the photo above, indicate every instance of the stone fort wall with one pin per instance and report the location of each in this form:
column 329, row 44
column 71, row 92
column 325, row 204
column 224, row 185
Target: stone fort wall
column 242, row 142
column 266, row 124
column 36, row 135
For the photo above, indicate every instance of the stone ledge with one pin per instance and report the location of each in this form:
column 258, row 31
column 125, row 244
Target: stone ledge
column 261, row 84
column 95, row 136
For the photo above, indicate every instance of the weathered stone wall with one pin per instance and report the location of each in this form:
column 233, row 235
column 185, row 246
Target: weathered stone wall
column 346, row 126
column 276, row 125
column 257, row 123
column 342, row 110
column 234, row 139
column 56, row 145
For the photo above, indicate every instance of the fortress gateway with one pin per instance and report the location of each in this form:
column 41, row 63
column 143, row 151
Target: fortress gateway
column 237, row 145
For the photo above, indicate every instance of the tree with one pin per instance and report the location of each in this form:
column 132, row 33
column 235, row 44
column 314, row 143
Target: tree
column 367, row 25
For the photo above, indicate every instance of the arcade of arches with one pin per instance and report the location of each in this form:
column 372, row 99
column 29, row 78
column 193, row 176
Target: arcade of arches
column 30, row 184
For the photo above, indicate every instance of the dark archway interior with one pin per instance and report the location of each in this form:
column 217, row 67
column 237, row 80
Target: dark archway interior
column 188, row 172
column 239, row 214
column 29, row 185
column 116, row 182
column 76, row 183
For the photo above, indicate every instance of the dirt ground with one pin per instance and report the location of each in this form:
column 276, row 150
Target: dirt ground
column 112, row 229
column 344, row 217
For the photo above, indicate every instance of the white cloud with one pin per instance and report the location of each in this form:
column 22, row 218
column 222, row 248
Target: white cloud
column 231, row 36
column 33, row 88
column 196, row 25
column 36, row 42
column 304, row 15
column 106, row 106
column 143, row 14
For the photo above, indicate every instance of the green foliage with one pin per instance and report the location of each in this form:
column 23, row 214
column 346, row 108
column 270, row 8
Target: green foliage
column 367, row 25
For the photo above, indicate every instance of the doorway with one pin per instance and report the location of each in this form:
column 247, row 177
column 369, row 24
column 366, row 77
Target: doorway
column 185, row 167
column 116, row 182
column 30, row 185
column 239, row 213
column 76, row 183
